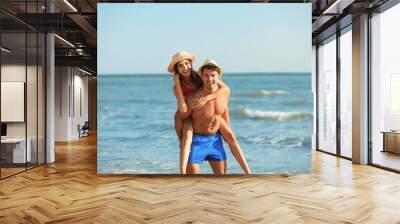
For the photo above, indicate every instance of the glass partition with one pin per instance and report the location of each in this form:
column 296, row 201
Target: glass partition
column 32, row 95
column 22, row 87
column 327, row 95
column 14, row 153
column 41, row 87
column 346, row 93
column 385, row 89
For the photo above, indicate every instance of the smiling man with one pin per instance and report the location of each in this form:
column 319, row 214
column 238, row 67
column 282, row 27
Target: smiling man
column 208, row 126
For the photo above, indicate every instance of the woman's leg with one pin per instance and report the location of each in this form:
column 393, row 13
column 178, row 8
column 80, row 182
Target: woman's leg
column 218, row 167
column 187, row 135
column 178, row 125
column 230, row 138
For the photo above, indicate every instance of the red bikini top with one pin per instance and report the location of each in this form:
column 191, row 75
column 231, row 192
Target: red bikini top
column 187, row 90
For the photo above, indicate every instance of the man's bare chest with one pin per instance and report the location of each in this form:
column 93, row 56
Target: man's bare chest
column 211, row 108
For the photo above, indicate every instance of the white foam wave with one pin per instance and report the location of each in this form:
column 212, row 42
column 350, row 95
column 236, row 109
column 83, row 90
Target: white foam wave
column 269, row 93
column 273, row 115
column 295, row 141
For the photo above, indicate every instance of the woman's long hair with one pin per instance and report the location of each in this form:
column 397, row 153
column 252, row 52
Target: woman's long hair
column 193, row 76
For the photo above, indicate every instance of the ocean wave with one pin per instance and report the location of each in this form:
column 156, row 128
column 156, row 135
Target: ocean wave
column 141, row 167
column 297, row 103
column 295, row 141
column 268, row 93
column 256, row 139
column 272, row 115
column 290, row 142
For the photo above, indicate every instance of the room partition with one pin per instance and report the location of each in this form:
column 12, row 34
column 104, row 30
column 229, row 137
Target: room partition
column 22, row 77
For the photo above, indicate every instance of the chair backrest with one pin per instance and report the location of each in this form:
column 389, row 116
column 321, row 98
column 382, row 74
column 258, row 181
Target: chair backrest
column 86, row 125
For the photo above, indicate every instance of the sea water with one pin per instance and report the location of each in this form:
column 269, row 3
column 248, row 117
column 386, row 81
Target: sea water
column 271, row 115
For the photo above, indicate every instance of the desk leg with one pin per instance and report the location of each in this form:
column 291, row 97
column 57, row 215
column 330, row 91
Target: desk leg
column 384, row 142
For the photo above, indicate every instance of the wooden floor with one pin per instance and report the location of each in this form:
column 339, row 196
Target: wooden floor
column 387, row 159
column 70, row 191
column 10, row 171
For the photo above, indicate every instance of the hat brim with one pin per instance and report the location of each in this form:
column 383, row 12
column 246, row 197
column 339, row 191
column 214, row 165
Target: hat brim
column 220, row 71
column 172, row 64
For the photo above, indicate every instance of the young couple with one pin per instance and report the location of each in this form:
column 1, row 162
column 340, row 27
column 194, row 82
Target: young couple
column 202, row 116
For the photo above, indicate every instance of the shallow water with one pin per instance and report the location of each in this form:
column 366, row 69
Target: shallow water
column 271, row 115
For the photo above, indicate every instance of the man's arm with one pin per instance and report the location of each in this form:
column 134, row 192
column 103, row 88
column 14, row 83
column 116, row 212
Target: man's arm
column 223, row 90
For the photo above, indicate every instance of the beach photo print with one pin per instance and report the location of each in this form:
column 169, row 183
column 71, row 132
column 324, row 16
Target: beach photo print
column 204, row 88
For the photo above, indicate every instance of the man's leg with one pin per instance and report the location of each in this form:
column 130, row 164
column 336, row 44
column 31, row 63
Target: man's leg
column 185, row 144
column 193, row 168
column 230, row 138
column 225, row 165
column 218, row 167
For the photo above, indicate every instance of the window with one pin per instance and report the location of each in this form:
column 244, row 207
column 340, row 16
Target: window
column 385, row 89
column 327, row 96
column 346, row 93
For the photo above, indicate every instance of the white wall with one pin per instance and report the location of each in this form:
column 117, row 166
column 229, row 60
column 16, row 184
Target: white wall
column 12, row 101
column 62, row 81
column 13, row 73
column 81, row 89
column 70, row 84
column 33, row 127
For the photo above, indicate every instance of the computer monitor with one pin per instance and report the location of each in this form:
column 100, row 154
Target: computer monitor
column 3, row 129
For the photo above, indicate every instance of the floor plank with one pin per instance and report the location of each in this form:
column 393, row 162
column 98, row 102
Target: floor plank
column 70, row 191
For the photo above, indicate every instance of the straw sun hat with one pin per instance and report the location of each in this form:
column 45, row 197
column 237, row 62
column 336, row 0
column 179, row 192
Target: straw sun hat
column 210, row 62
column 181, row 55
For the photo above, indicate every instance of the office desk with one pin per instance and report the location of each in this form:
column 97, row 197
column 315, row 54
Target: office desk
column 15, row 148
column 391, row 141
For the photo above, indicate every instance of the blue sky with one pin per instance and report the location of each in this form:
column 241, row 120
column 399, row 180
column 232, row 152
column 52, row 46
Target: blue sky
column 241, row 37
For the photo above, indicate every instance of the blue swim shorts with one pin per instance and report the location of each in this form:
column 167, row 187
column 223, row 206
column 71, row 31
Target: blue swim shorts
column 206, row 147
